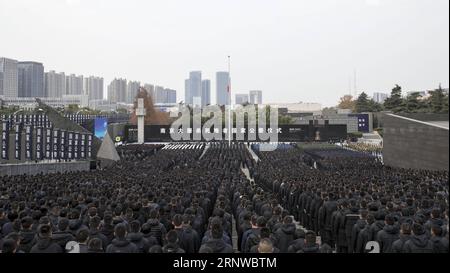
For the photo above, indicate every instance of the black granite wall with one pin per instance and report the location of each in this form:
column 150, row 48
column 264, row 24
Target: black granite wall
column 410, row 144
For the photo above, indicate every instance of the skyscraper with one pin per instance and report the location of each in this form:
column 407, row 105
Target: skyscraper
column 132, row 90
column 31, row 79
column 74, row 85
column 93, row 87
column 195, row 87
column 117, row 91
column 55, row 84
column 241, row 99
column 222, row 95
column 206, row 92
column 255, row 97
column 187, row 93
column 150, row 90
column 171, row 96
column 8, row 78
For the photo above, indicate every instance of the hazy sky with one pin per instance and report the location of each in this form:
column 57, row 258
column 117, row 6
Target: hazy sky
column 293, row 50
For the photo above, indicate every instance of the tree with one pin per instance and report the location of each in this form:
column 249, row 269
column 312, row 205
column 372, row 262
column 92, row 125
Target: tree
column 347, row 102
column 362, row 103
column 395, row 102
column 375, row 106
column 437, row 100
column 412, row 102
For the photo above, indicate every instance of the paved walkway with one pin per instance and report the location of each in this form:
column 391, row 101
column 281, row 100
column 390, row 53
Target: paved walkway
column 255, row 157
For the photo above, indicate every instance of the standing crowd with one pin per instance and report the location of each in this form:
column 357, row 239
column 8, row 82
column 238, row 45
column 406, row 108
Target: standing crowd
column 195, row 200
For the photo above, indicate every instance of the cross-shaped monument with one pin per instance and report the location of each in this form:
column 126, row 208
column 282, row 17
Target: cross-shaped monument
column 140, row 113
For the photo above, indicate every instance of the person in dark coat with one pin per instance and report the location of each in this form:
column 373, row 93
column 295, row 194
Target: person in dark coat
column 439, row 242
column 329, row 207
column 378, row 225
column 311, row 245
column 251, row 236
column 120, row 244
column 136, row 237
column 285, row 234
column 62, row 236
column 419, row 242
column 146, row 232
column 94, row 230
column 95, row 246
column 364, row 235
column 299, row 241
column 27, row 235
column 388, row 235
column 44, row 242
column 351, row 218
column 9, row 246
column 216, row 243
column 158, row 230
column 405, row 235
column 172, row 243
column 357, row 228
column 189, row 239
column 107, row 228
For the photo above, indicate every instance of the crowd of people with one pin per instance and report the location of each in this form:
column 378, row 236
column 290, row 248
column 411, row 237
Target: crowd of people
column 216, row 198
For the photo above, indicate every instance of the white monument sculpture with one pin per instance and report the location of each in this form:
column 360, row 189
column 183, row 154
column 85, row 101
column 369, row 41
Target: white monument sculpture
column 140, row 113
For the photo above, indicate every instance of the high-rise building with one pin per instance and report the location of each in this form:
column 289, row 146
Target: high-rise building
column 222, row 95
column 241, row 99
column 160, row 94
column 171, row 96
column 195, row 87
column 206, row 92
column 380, row 97
column 255, row 97
column 31, row 79
column 187, row 93
column 132, row 90
column 55, row 84
column 9, row 78
column 117, row 91
column 74, row 85
column 150, row 90
column 93, row 87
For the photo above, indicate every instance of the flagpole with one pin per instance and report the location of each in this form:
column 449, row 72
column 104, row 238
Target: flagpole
column 229, row 101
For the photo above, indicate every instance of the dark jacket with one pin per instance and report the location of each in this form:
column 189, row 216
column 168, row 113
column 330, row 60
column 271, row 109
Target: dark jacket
column 363, row 238
column 397, row 246
column 94, row 233
column 357, row 228
column 62, row 238
column 27, row 240
column 172, row 248
column 296, row 245
column 440, row 244
column 45, row 245
column 310, row 249
column 121, row 246
column 158, row 230
column 375, row 228
column 189, row 240
column 284, row 236
column 139, row 241
column 219, row 246
column 418, row 244
column 387, row 237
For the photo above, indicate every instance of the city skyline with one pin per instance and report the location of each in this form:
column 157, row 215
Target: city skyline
column 294, row 50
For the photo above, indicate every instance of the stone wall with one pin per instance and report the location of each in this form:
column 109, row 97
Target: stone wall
column 36, row 168
column 414, row 144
